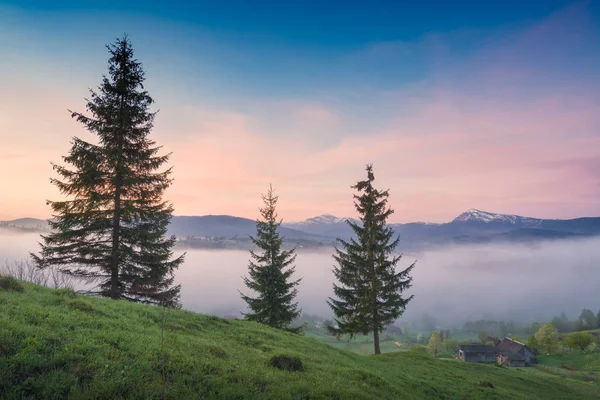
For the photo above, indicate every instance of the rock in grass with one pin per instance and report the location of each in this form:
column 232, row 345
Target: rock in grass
column 287, row 363
column 486, row 384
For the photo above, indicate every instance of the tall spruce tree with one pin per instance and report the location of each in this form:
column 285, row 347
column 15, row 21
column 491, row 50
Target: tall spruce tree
column 369, row 294
column 112, row 229
column 270, row 271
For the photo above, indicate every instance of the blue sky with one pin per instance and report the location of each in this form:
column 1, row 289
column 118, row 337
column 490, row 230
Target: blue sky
column 273, row 47
column 492, row 88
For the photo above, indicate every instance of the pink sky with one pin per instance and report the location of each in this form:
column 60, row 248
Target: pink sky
column 494, row 130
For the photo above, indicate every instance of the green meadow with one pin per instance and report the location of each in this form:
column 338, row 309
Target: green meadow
column 55, row 344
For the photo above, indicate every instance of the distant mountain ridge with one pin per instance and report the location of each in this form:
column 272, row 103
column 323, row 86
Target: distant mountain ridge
column 26, row 224
column 472, row 226
column 475, row 215
column 323, row 219
column 228, row 227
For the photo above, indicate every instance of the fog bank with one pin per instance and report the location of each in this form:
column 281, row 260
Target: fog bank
column 454, row 284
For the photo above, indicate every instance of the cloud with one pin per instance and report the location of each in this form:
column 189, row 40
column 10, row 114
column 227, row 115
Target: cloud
column 508, row 123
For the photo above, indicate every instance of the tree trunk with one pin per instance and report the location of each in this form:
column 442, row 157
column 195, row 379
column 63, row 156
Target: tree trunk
column 114, row 264
column 376, row 341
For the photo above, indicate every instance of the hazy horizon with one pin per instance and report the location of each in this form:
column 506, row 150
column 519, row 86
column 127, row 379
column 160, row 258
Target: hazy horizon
column 453, row 284
column 329, row 213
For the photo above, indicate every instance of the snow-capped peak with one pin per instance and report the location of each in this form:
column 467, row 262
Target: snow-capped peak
column 324, row 219
column 426, row 223
column 483, row 216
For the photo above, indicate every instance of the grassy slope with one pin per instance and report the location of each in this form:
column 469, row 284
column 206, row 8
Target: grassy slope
column 362, row 344
column 574, row 364
column 56, row 346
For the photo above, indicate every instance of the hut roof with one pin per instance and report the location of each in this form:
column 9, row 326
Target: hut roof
column 510, row 345
column 477, row 348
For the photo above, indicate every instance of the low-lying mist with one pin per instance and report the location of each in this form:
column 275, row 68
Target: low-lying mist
column 452, row 284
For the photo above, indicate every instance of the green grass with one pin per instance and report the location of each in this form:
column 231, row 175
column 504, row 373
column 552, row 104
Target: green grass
column 54, row 344
column 576, row 364
column 362, row 344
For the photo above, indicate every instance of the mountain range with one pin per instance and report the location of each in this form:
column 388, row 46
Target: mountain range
column 472, row 226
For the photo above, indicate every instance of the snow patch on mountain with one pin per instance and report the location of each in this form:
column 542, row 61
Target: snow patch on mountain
column 475, row 215
column 326, row 219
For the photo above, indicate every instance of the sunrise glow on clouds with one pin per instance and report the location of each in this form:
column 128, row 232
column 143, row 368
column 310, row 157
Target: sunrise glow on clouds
column 505, row 119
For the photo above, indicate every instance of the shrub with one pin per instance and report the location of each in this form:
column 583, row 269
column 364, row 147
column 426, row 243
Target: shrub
column 418, row 349
column 28, row 272
column 287, row 363
column 11, row 284
column 66, row 292
column 579, row 340
column 81, row 305
column 435, row 344
column 547, row 338
column 451, row 346
column 217, row 351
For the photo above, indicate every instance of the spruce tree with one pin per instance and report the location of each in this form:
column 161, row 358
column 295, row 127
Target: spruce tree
column 369, row 293
column 270, row 271
column 111, row 230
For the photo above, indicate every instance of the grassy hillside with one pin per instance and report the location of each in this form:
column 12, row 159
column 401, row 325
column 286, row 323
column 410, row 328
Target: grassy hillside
column 54, row 344
column 576, row 364
column 363, row 344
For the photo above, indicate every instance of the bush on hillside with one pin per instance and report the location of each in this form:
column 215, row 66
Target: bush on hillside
column 547, row 338
column 217, row 351
column 451, row 346
column 82, row 305
column 578, row 340
column 418, row 349
column 66, row 292
column 28, row 272
column 11, row 284
column 287, row 363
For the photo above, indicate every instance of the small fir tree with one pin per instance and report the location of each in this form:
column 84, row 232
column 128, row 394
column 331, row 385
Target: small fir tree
column 369, row 293
column 112, row 229
column 270, row 271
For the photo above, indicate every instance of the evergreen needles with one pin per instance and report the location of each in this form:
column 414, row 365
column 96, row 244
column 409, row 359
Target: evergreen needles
column 270, row 271
column 112, row 229
column 369, row 293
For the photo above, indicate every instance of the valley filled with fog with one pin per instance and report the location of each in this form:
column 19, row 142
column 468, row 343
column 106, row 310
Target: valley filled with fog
column 452, row 284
